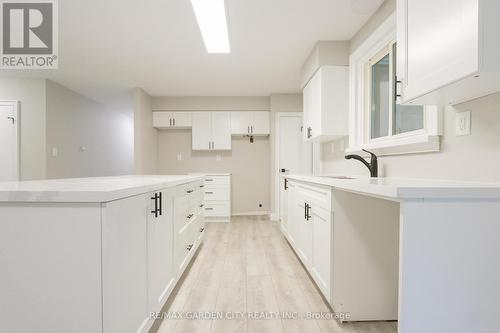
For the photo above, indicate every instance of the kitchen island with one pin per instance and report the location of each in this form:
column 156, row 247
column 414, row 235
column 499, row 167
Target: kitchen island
column 94, row 254
column 423, row 252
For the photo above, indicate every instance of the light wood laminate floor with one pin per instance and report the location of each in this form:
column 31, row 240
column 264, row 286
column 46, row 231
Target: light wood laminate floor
column 246, row 266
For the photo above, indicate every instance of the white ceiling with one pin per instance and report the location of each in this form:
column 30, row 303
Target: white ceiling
column 110, row 46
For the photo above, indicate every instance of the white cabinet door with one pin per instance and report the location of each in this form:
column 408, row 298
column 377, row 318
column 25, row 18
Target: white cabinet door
column 259, row 124
column 160, row 249
column 124, row 264
column 442, row 43
column 202, row 131
column 181, row 119
column 221, row 130
column 240, row 122
column 162, row 119
column 321, row 249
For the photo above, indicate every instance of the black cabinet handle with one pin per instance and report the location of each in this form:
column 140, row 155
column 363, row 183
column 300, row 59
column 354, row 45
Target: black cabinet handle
column 202, row 186
column 170, row 121
column 209, row 192
column 305, row 210
column 189, row 247
column 202, row 229
column 209, row 208
column 174, row 121
column 201, row 206
column 161, row 205
column 190, row 191
column 155, row 211
column 286, row 184
column 308, row 209
column 189, row 216
column 209, row 180
column 251, row 129
column 309, row 130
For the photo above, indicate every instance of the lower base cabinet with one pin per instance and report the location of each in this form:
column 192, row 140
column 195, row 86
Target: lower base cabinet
column 350, row 253
column 96, row 267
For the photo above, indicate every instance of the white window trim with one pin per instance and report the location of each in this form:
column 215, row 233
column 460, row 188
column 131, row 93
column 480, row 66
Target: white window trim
column 426, row 140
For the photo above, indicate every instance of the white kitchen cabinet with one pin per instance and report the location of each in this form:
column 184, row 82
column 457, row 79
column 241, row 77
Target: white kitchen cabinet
column 448, row 50
column 160, row 239
column 250, row 123
column 322, row 235
column 100, row 266
column 211, row 131
column 217, row 197
column 170, row 120
column 326, row 104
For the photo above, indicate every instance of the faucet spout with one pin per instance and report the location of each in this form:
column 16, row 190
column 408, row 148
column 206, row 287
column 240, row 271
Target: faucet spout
column 372, row 165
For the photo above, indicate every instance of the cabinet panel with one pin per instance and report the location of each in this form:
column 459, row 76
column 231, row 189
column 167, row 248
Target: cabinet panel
column 160, row 256
column 240, row 122
column 202, row 131
column 124, row 265
column 181, row 119
column 259, row 123
column 162, row 119
column 221, row 130
column 321, row 254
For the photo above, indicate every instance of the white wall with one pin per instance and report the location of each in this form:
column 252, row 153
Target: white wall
column 475, row 157
column 249, row 163
column 31, row 95
column 75, row 121
column 145, row 136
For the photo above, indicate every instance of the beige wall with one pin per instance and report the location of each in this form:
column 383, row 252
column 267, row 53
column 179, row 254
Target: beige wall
column 325, row 52
column 475, row 157
column 31, row 96
column 248, row 163
column 75, row 121
column 145, row 136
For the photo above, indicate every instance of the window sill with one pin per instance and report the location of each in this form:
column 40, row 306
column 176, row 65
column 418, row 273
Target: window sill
column 422, row 143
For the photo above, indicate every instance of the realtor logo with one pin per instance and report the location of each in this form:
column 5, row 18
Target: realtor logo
column 29, row 34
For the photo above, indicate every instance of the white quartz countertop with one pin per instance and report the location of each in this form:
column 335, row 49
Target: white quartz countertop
column 96, row 189
column 408, row 188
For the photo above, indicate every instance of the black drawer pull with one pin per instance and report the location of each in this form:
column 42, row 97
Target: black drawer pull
column 209, row 208
column 189, row 247
column 190, row 191
column 209, row 180
column 202, row 186
column 190, row 216
column 202, row 229
column 201, row 206
column 209, row 192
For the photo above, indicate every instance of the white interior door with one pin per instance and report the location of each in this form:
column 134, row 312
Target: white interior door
column 294, row 156
column 9, row 143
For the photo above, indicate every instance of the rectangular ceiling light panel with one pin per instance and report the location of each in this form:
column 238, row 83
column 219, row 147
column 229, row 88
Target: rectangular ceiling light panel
column 211, row 17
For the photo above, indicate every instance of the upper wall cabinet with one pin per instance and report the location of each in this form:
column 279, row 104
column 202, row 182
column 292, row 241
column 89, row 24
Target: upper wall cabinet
column 211, row 131
column 250, row 123
column 448, row 50
column 163, row 119
column 326, row 104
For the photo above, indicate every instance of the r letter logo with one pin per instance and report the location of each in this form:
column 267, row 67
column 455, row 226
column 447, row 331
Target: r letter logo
column 29, row 34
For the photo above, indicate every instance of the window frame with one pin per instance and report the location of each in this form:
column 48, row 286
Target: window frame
column 417, row 141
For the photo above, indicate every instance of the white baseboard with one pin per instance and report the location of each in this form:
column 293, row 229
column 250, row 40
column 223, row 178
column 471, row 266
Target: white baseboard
column 251, row 214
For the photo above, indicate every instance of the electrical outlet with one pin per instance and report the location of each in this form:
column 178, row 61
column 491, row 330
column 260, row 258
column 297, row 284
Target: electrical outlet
column 462, row 123
column 83, row 149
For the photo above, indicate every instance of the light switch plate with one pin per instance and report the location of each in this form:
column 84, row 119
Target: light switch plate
column 462, row 123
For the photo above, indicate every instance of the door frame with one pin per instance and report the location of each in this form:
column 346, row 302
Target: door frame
column 15, row 104
column 276, row 215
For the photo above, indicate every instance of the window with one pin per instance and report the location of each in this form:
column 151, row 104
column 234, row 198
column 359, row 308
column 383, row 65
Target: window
column 387, row 116
column 377, row 121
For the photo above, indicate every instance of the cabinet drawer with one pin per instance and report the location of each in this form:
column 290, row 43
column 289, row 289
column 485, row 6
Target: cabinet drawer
column 217, row 193
column 217, row 208
column 187, row 189
column 317, row 195
column 216, row 180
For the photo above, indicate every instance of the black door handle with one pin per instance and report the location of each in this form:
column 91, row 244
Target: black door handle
column 161, row 205
column 155, row 211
